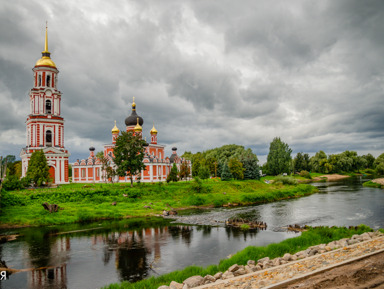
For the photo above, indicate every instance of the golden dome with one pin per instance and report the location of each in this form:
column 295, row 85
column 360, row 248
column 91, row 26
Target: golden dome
column 153, row 130
column 138, row 126
column 46, row 60
column 115, row 129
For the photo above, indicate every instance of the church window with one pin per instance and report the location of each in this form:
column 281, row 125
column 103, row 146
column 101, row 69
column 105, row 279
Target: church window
column 39, row 80
column 97, row 172
column 48, row 107
column 48, row 138
column 83, row 173
column 48, row 80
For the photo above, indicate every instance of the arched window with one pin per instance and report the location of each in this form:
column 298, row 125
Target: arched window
column 48, row 80
column 39, row 80
column 48, row 107
column 48, row 138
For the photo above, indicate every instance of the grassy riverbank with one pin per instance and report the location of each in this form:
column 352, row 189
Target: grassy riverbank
column 376, row 183
column 309, row 238
column 83, row 203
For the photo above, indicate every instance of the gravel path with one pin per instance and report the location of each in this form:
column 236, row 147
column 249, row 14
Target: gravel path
column 272, row 276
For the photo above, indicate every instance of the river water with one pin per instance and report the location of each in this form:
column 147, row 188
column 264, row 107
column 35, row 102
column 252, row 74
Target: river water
column 95, row 255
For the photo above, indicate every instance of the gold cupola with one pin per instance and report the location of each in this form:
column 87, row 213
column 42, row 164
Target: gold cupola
column 138, row 127
column 153, row 130
column 115, row 129
column 45, row 59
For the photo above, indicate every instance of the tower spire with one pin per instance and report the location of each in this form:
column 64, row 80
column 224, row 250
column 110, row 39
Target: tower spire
column 45, row 59
column 46, row 38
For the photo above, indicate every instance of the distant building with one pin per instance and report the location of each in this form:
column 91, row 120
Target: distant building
column 45, row 125
column 157, row 166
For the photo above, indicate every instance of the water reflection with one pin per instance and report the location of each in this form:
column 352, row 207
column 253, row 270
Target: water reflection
column 95, row 255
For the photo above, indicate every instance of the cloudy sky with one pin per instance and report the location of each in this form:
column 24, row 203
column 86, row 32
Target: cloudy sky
column 207, row 73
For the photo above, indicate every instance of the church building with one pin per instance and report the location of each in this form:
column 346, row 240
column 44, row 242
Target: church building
column 45, row 125
column 157, row 166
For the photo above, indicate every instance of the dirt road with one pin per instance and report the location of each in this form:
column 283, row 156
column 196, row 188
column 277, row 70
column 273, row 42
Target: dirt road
column 365, row 273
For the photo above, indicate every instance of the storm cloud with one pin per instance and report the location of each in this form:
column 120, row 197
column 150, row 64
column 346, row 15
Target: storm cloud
column 206, row 73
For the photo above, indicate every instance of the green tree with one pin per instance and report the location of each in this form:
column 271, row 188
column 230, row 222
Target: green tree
column 379, row 164
column 279, row 157
column 38, row 170
column 301, row 162
column 197, row 161
column 251, row 167
column 173, row 174
column 319, row 163
column 370, row 161
column 5, row 163
column 204, row 173
column 129, row 155
column 226, row 173
column 211, row 164
column 236, row 168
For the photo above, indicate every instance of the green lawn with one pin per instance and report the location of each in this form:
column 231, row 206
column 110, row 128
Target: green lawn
column 80, row 203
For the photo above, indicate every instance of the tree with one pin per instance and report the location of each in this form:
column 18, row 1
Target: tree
column 279, row 157
column 204, row 173
column 379, row 164
column 301, row 162
column 129, row 155
column 236, row 168
column 319, row 163
column 225, row 173
column 370, row 161
column 38, row 170
column 173, row 174
column 251, row 167
column 197, row 161
column 185, row 171
column 5, row 162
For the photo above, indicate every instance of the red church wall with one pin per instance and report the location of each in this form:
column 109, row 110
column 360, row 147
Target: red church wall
column 90, row 173
column 76, row 173
column 52, row 174
column 66, row 170
column 43, row 79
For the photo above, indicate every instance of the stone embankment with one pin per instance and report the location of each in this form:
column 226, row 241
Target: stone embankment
column 266, row 272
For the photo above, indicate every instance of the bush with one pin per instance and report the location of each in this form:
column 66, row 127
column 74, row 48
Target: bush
column 197, row 185
column 13, row 183
column 12, row 199
column 195, row 200
column 285, row 180
column 204, row 173
column 370, row 171
column 305, row 174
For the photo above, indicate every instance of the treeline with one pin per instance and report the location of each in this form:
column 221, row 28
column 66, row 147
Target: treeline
column 345, row 162
column 226, row 162
column 279, row 161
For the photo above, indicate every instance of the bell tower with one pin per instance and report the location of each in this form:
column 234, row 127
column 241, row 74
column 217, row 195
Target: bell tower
column 45, row 125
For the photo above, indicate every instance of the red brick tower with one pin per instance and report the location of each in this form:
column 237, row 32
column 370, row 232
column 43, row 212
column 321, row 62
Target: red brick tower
column 45, row 125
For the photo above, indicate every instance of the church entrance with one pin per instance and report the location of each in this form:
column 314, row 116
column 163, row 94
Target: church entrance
column 52, row 174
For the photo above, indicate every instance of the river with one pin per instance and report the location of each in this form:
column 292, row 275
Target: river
column 97, row 254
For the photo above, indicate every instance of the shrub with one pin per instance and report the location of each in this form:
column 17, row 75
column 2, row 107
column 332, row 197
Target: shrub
column 13, row 199
column 370, row 171
column 285, row 180
column 195, row 200
column 12, row 183
column 305, row 174
column 197, row 185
